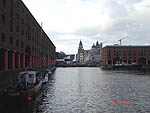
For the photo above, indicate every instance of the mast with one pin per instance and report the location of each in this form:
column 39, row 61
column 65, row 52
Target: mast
column 41, row 46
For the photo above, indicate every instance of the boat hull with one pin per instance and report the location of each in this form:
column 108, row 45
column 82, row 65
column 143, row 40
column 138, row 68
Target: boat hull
column 24, row 96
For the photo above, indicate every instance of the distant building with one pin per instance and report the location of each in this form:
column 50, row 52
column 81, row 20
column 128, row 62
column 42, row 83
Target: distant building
column 62, row 58
column 80, row 55
column 126, row 54
column 60, row 55
column 69, row 59
column 92, row 55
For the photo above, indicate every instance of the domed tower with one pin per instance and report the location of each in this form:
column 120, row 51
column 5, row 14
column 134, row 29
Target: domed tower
column 93, row 46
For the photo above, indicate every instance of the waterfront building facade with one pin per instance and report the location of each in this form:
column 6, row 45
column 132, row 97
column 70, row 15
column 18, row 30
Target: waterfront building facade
column 22, row 40
column 23, row 43
column 91, row 55
column 126, row 54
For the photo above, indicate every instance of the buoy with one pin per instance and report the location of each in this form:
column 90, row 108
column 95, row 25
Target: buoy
column 29, row 99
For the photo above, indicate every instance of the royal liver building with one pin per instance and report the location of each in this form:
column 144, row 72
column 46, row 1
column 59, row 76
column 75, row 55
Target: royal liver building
column 89, row 56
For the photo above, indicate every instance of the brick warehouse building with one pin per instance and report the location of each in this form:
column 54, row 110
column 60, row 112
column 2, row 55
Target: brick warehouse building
column 127, row 54
column 22, row 40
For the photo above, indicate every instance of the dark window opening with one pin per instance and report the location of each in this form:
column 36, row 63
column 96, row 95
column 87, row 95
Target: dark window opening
column 22, row 44
column 3, row 19
column 26, row 34
column 17, row 29
column 3, row 37
column 30, row 75
column 22, row 10
column 18, row 4
column 17, row 43
column 4, row 3
column 32, row 39
column 29, row 38
column 22, row 32
column 22, row 21
column 32, row 48
column 11, row 40
column 17, row 16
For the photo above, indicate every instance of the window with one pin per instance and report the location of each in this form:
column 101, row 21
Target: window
column 11, row 40
column 22, row 32
column 3, row 36
column 18, row 4
column 130, row 53
column 22, row 10
column 17, row 16
column 30, row 75
column 29, row 38
column 35, row 50
column 22, row 44
column 32, row 48
column 32, row 39
column 17, row 28
column 4, row 3
column 26, row 34
column 17, row 43
column 22, row 21
column 3, row 19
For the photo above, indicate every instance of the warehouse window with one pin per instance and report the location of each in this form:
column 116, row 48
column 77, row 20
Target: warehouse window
column 17, row 43
column 18, row 16
column 32, row 39
column 18, row 4
column 3, row 19
column 22, row 21
column 3, row 36
column 17, row 28
column 11, row 40
column 23, row 10
column 26, row 34
column 22, row 32
column 22, row 44
column 32, row 48
column 4, row 3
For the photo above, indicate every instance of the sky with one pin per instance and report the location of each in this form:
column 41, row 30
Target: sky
column 68, row 21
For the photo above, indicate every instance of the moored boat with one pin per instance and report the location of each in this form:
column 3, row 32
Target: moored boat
column 28, row 86
column 45, row 78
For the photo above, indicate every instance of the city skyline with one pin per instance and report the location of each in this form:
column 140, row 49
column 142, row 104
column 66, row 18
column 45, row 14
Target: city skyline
column 68, row 21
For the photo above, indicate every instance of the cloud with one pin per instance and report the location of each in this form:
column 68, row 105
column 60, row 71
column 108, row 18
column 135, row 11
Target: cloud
column 68, row 21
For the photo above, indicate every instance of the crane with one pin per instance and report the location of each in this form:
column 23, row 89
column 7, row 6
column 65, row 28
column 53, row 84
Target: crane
column 122, row 39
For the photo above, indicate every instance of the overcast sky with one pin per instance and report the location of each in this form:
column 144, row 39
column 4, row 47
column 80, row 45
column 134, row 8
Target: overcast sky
column 68, row 21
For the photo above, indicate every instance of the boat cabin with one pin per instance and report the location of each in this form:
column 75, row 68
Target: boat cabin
column 28, row 77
